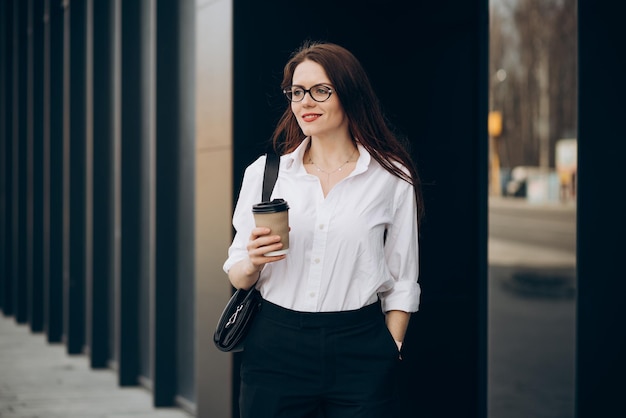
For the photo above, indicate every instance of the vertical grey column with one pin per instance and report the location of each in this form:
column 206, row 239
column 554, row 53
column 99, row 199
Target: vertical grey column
column 53, row 296
column 88, row 157
column 35, row 294
column 77, row 179
column 10, row 120
column 163, row 345
column 33, row 288
column 600, row 316
column 18, row 274
column 45, row 160
column 27, row 164
column 3, row 144
column 185, row 292
column 104, row 199
column 114, row 204
column 65, row 169
column 127, row 284
column 213, row 199
column 173, row 307
column 147, row 238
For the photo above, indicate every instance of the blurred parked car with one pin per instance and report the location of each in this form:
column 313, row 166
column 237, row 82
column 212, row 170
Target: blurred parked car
column 533, row 183
column 518, row 181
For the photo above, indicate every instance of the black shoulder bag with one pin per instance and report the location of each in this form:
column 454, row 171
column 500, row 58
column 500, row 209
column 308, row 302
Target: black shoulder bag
column 243, row 305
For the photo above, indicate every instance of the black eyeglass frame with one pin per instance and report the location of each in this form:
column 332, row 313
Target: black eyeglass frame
column 288, row 90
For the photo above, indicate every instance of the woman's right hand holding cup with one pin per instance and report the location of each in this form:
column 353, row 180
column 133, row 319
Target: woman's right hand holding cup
column 262, row 242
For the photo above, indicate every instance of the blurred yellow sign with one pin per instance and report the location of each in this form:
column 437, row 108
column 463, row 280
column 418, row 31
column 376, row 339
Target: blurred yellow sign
column 494, row 125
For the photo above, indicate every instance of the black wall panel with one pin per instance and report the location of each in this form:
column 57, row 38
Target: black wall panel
column 601, row 341
column 428, row 62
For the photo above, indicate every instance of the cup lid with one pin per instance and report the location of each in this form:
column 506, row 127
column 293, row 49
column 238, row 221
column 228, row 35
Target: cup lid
column 276, row 205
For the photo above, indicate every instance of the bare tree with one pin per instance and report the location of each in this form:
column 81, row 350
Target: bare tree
column 534, row 41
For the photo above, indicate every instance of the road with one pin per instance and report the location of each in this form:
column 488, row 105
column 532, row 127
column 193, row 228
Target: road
column 549, row 225
column 531, row 310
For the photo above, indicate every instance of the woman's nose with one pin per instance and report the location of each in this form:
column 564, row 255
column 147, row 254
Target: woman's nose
column 307, row 99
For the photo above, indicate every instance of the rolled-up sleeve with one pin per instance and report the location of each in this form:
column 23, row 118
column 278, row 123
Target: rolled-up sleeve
column 402, row 254
column 243, row 221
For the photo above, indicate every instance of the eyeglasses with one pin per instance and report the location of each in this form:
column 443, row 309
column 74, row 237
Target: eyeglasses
column 319, row 93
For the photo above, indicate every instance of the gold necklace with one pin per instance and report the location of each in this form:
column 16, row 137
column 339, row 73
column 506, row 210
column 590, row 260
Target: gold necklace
column 328, row 173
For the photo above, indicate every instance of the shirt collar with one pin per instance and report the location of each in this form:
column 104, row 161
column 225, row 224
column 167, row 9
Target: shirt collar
column 294, row 160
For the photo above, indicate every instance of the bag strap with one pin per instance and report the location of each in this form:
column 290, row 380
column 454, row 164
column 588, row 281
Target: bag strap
column 272, row 162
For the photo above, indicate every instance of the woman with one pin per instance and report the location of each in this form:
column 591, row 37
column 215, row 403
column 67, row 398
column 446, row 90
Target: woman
column 335, row 310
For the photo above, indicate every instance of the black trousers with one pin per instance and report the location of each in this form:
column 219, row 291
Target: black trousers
column 331, row 365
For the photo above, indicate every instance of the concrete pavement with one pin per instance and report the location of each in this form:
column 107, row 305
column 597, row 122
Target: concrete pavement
column 40, row 380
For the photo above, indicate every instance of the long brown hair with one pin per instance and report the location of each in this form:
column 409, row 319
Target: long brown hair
column 366, row 120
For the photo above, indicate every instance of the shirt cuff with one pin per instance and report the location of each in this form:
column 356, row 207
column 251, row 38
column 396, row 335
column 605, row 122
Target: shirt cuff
column 404, row 296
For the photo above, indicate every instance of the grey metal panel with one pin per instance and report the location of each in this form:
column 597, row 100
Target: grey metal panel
column 54, row 295
column 213, row 200
column 10, row 106
column 131, row 177
column 115, row 205
column 79, row 107
column 20, row 162
column 147, row 189
column 600, row 338
column 38, row 200
column 172, row 285
column 103, row 197
column 88, row 170
column 30, row 288
column 65, row 145
column 3, row 140
column 186, row 304
column 45, row 161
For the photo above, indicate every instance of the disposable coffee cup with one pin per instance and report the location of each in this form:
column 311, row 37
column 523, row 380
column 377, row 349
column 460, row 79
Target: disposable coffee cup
column 275, row 216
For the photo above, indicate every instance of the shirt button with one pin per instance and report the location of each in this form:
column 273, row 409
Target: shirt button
column 321, row 226
column 316, row 261
column 312, row 294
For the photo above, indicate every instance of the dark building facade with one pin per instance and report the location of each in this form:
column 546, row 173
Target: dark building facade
column 125, row 127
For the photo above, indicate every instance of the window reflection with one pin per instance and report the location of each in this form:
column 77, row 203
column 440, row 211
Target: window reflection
column 532, row 215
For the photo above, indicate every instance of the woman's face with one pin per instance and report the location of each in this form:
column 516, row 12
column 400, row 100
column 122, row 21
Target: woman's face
column 317, row 119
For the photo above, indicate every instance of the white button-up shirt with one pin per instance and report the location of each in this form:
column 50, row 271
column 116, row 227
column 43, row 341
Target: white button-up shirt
column 338, row 258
